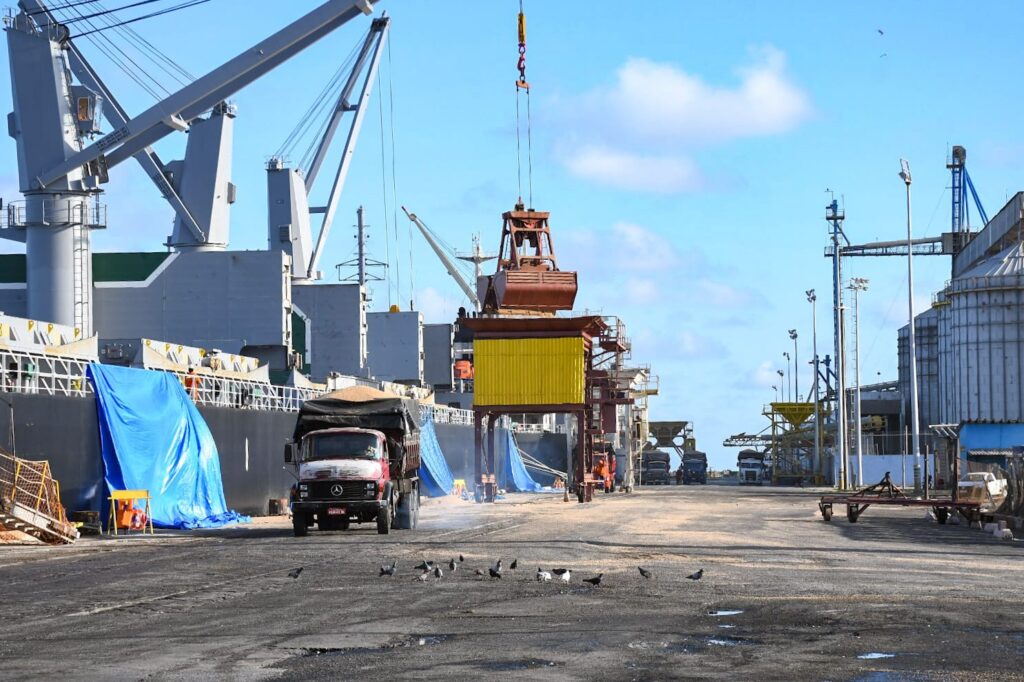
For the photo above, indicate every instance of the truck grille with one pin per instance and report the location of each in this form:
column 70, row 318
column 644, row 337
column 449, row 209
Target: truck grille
column 350, row 490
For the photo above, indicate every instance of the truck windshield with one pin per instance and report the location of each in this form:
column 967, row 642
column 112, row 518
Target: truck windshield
column 344, row 446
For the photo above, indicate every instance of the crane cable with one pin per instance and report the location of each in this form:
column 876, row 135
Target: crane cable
column 523, row 86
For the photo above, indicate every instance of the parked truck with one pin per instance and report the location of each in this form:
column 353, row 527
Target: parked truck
column 656, row 464
column 356, row 461
column 695, row 467
column 753, row 469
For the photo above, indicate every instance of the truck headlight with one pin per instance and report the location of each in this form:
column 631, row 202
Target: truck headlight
column 303, row 486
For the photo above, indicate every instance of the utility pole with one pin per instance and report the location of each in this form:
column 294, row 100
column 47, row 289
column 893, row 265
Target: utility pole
column 914, row 416
column 836, row 218
column 812, row 298
column 857, row 285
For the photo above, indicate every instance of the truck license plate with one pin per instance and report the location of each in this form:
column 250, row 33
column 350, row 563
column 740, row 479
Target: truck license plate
column 335, row 511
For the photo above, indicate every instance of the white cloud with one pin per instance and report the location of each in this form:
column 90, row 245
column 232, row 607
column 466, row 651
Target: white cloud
column 696, row 345
column 721, row 294
column 765, row 375
column 640, row 132
column 436, row 306
column 634, row 248
column 623, row 170
column 642, row 291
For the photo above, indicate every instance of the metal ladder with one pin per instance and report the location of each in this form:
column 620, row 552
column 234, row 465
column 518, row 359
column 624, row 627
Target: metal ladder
column 81, row 277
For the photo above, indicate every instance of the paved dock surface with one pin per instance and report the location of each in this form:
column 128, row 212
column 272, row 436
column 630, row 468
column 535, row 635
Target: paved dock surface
column 892, row 597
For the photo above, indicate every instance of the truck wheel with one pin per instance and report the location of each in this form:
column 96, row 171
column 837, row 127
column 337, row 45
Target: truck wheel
column 404, row 513
column 384, row 521
column 299, row 527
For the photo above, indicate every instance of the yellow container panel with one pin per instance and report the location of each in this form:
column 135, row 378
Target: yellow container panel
column 546, row 371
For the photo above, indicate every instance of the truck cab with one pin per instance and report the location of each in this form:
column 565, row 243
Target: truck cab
column 343, row 477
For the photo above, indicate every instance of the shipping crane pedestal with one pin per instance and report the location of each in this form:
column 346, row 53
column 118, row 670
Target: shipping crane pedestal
column 533, row 365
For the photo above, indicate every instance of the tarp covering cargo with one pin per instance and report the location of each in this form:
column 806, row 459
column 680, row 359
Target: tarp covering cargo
column 334, row 412
column 517, row 478
column 152, row 437
column 436, row 478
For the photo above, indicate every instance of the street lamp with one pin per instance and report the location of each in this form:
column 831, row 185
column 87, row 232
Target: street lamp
column 812, row 298
column 776, row 389
column 789, row 384
column 782, row 382
column 857, row 285
column 796, row 365
column 912, row 350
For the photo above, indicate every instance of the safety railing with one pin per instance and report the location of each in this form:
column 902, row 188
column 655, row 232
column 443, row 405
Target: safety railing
column 442, row 414
column 38, row 373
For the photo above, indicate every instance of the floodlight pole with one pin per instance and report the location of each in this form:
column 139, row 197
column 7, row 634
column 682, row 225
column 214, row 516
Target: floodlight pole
column 796, row 365
column 912, row 349
column 857, row 285
column 813, row 299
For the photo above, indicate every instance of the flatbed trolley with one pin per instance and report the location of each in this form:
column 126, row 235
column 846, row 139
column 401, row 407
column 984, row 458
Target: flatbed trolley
column 885, row 492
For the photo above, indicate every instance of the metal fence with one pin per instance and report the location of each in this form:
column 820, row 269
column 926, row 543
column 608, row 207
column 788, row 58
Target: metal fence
column 39, row 373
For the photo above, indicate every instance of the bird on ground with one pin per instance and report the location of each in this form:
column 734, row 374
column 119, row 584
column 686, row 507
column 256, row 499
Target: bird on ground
column 438, row 573
column 422, row 577
column 388, row 570
column 425, row 566
column 512, row 566
column 481, row 574
column 494, row 574
column 644, row 572
column 452, row 566
column 543, row 576
column 563, row 574
column 296, row 573
column 596, row 582
column 497, row 566
column 462, row 558
column 696, row 576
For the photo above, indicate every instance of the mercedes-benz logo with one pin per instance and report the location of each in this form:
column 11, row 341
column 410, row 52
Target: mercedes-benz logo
column 337, row 490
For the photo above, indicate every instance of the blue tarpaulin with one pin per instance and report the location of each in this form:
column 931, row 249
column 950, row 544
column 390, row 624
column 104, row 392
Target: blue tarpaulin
column 517, row 478
column 153, row 438
column 435, row 476
column 991, row 436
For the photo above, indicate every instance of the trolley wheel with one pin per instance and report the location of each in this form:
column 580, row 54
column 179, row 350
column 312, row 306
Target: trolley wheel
column 851, row 513
column 941, row 515
column 826, row 513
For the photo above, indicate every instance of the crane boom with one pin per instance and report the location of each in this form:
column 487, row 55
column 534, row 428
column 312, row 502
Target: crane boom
column 448, row 263
column 175, row 111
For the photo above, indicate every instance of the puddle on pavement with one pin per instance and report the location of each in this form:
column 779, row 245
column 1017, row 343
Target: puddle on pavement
column 647, row 645
column 725, row 612
column 425, row 640
column 874, row 655
column 726, row 626
column 730, row 641
column 525, row 664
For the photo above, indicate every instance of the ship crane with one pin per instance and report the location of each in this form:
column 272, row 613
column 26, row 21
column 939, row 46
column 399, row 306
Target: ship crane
column 478, row 257
column 288, row 189
column 61, row 168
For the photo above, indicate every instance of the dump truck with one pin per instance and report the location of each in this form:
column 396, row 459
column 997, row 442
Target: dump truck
column 695, row 467
column 355, row 461
column 656, row 464
column 752, row 467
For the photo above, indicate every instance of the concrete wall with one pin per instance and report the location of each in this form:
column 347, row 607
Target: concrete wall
column 438, row 357
column 338, row 334
column 395, row 346
column 211, row 299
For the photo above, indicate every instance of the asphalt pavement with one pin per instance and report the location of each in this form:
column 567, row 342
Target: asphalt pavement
column 783, row 596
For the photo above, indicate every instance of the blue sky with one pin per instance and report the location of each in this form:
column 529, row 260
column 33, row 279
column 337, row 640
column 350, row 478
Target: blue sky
column 683, row 149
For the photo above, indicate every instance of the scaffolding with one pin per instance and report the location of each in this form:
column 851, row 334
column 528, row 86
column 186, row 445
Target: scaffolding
column 30, row 501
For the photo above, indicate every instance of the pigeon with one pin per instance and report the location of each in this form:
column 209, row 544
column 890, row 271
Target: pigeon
column 497, row 566
column 296, row 573
column 422, row 577
column 644, row 572
column 494, row 574
column 543, row 576
column 881, row 32
column 461, row 558
column 596, row 582
column 512, row 566
column 478, row 572
column 425, row 566
column 438, row 573
column 696, row 576
column 452, row 566
column 388, row 570
column 562, row 573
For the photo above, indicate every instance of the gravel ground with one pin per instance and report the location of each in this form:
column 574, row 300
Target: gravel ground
column 892, row 597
